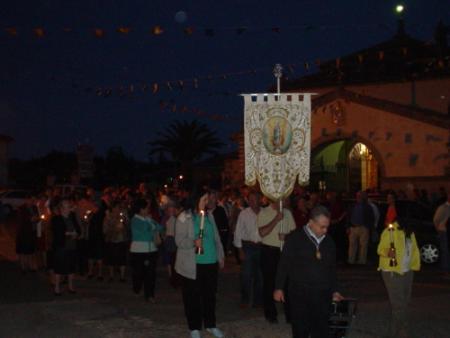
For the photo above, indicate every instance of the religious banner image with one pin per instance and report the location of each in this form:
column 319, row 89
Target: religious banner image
column 277, row 141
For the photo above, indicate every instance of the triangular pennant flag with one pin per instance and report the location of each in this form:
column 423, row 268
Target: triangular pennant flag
column 107, row 92
column 99, row 33
column 157, row 30
column 124, row 30
column 11, row 31
column 155, row 88
column 39, row 32
column 188, row 30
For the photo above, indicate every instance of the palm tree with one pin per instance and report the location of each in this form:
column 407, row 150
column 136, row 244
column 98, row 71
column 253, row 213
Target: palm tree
column 186, row 142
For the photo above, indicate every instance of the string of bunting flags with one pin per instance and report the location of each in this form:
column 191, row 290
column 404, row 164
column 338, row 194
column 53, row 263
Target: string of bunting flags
column 297, row 69
column 159, row 30
column 172, row 106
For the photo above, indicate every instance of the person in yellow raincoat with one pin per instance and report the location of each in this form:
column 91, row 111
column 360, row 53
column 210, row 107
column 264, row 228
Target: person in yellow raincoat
column 399, row 258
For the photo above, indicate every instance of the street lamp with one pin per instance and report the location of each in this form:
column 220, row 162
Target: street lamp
column 399, row 9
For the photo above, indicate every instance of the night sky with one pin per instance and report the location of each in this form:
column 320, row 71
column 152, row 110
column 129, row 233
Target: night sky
column 47, row 88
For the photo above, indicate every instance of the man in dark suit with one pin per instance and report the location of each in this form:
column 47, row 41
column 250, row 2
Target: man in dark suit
column 308, row 265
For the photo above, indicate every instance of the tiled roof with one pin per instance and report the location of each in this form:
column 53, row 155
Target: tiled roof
column 397, row 59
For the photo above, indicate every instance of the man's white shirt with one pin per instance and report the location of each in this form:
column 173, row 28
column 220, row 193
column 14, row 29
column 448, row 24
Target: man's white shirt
column 246, row 228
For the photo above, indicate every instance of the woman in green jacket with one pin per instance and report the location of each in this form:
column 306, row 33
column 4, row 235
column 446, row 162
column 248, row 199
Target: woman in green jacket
column 144, row 250
column 399, row 258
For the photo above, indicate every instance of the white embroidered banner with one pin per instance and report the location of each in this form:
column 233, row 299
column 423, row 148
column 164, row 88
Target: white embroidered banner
column 277, row 132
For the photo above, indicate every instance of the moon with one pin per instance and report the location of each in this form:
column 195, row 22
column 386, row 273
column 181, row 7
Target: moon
column 181, row 16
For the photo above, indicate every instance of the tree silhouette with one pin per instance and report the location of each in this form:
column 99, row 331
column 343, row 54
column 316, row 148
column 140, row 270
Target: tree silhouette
column 186, row 142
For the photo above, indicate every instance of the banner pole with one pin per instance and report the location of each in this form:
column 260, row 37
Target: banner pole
column 278, row 73
column 282, row 225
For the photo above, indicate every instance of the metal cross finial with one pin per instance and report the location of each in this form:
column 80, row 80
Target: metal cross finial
column 278, row 73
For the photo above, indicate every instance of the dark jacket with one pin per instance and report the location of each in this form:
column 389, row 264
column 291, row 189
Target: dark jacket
column 221, row 219
column 59, row 229
column 300, row 267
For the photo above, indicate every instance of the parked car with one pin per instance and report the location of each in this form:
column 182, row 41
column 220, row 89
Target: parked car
column 12, row 199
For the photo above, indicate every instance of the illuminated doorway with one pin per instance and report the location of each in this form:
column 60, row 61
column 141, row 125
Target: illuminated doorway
column 344, row 165
column 363, row 168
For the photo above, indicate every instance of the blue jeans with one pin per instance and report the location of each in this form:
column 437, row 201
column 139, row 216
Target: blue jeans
column 251, row 278
column 443, row 248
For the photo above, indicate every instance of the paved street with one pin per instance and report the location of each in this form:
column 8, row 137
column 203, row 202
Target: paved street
column 100, row 309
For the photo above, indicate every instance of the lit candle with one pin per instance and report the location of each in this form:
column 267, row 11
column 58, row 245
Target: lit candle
column 199, row 250
column 202, row 220
column 391, row 228
column 87, row 214
column 42, row 216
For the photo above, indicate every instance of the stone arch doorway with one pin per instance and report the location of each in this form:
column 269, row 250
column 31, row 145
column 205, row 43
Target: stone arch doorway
column 345, row 164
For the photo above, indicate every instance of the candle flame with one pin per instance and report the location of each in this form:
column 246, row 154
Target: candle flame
column 391, row 226
column 202, row 212
column 42, row 216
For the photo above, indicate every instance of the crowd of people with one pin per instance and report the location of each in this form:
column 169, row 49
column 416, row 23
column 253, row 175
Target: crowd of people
column 102, row 236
